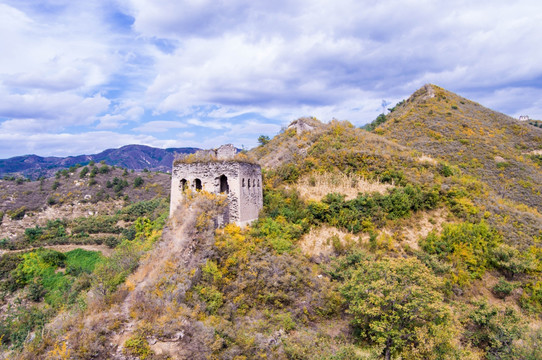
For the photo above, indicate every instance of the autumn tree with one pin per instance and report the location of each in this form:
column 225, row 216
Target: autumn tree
column 392, row 300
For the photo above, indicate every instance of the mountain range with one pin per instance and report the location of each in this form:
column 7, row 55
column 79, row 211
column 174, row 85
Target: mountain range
column 136, row 157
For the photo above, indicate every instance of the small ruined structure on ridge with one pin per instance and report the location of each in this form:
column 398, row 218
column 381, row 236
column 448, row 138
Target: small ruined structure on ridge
column 217, row 171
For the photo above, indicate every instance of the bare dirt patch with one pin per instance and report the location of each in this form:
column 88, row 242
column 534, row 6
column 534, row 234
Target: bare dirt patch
column 418, row 226
column 315, row 186
column 320, row 240
column 427, row 159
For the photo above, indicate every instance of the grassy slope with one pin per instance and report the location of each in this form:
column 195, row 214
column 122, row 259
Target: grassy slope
column 493, row 148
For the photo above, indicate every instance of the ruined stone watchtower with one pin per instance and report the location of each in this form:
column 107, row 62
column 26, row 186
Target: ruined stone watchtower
column 218, row 171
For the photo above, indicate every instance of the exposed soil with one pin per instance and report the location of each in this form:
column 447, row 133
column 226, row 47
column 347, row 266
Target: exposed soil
column 315, row 186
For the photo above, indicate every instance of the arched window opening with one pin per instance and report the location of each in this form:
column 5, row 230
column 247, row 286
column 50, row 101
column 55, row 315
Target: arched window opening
column 249, row 183
column 243, row 182
column 224, row 187
column 258, row 182
column 198, row 184
column 184, row 184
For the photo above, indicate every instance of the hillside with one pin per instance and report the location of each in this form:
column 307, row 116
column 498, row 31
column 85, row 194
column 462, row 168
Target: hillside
column 74, row 192
column 133, row 157
column 370, row 245
column 499, row 152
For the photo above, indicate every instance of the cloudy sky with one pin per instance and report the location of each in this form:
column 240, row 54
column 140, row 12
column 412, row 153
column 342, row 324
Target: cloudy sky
column 82, row 76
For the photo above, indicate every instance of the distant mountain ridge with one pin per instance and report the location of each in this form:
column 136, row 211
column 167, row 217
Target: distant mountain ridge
column 137, row 157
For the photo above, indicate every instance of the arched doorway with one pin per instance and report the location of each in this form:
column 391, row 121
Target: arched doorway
column 197, row 182
column 224, row 187
column 184, row 184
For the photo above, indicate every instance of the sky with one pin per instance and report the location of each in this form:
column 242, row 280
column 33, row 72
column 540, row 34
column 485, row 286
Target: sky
column 78, row 77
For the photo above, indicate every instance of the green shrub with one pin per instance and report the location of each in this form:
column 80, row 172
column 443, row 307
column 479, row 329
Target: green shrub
column 445, row 170
column 142, row 208
column 33, row 234
column 278, row 232
column 84, row 172
column 531, row 299
column 17, row 214
column 468, row 246
column 104, row 169
column 288, row 205
column 137, row 345
column 53, row 258
column 95, row 225
column 113, row 241
column 494, row 330
column 36, row 290
column 391, row 299
column 380, row 119
column 359, row 214
column 138, row 181
column 129, row 233
column 263, row 139
column 19, row 322
column 117, row 184
column 502, row 289
column 212, row 297
column 510, row 262
column 288, row 172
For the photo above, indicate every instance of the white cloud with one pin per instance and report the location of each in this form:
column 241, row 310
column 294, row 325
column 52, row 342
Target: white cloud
column 58, row 109
column 160, row 126
column 334, row 53
column 64, row 144
column 111, row 122
column 230, row 70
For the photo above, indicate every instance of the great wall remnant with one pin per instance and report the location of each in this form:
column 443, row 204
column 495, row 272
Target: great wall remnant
column 217, row 171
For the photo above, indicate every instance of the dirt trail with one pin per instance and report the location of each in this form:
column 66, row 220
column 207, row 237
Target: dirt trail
column 176, row 245
column 105, row 250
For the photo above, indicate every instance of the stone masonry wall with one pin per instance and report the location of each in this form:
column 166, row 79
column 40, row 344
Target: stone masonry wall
column 251, row 191
column 244, row 202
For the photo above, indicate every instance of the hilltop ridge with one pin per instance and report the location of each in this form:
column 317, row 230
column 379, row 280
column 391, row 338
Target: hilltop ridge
column 498, row 151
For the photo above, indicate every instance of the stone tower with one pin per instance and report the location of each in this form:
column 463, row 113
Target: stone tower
column 217, row 171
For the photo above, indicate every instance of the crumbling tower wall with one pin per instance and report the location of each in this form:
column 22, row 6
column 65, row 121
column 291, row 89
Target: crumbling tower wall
column 217, row 171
